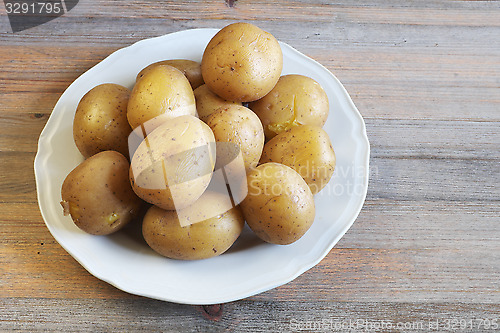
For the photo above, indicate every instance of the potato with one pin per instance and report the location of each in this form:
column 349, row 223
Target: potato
column 207, row 102
column 98, row 196
column 162, row 93
column 173, row 166
column 279, row 206
column 242, row 62
column 306, row 149
column 239, row 125
column 100, row 121
column 190, row 69
column 218, row 225
column 295, row 100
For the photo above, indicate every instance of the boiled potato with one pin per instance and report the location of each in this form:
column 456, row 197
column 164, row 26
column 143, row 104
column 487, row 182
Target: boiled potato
column 207, row 102
column 279, row 206
column 217, row 226
column 100, row 121
column 98, row 196
column 239, row 125
column 295, row 100
column 173, row 166
column 191, row 69
column 162, row 93
column 242, row 63
column 306, row 149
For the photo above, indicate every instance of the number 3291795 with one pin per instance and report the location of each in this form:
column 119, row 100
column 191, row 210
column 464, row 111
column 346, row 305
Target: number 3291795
column 33, row 8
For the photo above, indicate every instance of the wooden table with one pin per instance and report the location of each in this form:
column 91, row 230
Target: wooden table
column 425, row 249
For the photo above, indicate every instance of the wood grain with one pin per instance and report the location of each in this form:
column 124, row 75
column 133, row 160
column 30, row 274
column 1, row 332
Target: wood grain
column 425, row 247
column 50, row 315
column 426, row 239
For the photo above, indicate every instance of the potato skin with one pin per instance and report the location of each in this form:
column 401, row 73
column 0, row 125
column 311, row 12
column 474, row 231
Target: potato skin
column 98, row 195
column 295, row 100
column 242, row 62
column 100, row 121
column 191, row 69
column 211, row 237
column 306, row 149
column 239, row 125
column 173, row 166
column 207, row 102
column 279, row 206
column 162, row 93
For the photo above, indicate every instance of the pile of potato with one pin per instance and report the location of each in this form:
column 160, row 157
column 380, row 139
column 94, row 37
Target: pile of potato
column 204, row 147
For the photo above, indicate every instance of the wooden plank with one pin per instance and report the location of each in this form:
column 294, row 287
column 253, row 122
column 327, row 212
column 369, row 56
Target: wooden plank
column 20, row 132
column 16, row 177
column 33, row 264
column 34, row 78
column 434, row 179
column 451, row 13
column 431, row 139
column 450, row 78
column 245, row 316
column 44, row 269
column 416, row 138
column 466, row 275
column 327, row 36
column 429, row 81
column 412, row 225
column 391, row 178
column 393, row 224
column 216, row 14
column 423, row 258
column 397, row 177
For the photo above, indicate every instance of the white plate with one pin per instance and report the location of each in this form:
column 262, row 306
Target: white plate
column 251, row 266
